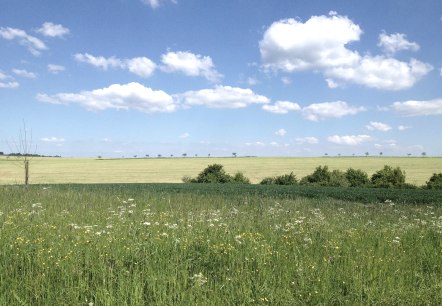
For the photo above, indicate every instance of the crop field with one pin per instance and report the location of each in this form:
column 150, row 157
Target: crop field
column 171, row 170
column 192, row 244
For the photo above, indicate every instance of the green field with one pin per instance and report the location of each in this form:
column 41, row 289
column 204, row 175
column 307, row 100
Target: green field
column 192, row 244
column 171, row 170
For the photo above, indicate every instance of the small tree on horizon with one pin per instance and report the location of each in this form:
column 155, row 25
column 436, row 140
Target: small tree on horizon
column 25, row 150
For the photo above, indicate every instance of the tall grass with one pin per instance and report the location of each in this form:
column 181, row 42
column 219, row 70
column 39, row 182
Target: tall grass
column 135, row 246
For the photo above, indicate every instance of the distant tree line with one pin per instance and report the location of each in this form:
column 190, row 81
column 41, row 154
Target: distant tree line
column 29, row 155
column 387, row 177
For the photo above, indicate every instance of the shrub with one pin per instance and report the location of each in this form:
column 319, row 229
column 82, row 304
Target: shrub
column 286, row 179
column 435, row 181
column 268, row 181
column 240, row 178
column 357, row 177
column 338, row 179
column 213, row 174
column 321, row 176
column 388, row 177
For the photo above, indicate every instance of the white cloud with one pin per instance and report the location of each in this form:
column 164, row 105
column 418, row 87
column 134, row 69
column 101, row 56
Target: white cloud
column 396, row 42
column 131, row 96
column 222, row 97
column 99, row 61
column 24, row 73
column 320, row 45
column 379, row 72
column 403, row 127
column 252, row 81
column 291, row 45
column 55, row 69
column 281, row 132
column 156, row 3
column 33, row 44
column 255, row 144
column 351, row 140
column 141, row 66
column 418, row 108
column 307, row 140
column 191, row 65
column 52, row 139
column 53, row 30
column 325, row 110
column 378, row 126
column 9, row 85
column 286, row 80
column 184, row 135
column 281, row 107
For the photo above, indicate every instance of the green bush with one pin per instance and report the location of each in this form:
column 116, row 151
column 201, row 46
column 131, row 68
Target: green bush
column 216, row 174
column 338, row 179
column 357, row 177
column 435, row 181
column 240, row 178
column 285, row 179
column 321, row 176
column 268, row 181
column 388, row 177
column 213, row 174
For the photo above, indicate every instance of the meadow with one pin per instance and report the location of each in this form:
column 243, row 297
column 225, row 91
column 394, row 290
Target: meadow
column 192, row 244
column 171, row 170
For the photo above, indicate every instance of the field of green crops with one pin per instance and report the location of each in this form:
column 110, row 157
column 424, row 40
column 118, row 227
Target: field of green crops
column 171, row 170
column 191, row 244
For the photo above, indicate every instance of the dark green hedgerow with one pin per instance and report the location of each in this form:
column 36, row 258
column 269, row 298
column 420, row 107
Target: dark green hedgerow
column 362, row 195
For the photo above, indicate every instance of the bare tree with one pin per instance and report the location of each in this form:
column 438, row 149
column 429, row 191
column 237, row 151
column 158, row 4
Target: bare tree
column 24, row 150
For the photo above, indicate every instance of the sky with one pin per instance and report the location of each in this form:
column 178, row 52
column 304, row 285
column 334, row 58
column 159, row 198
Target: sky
column 118, row 78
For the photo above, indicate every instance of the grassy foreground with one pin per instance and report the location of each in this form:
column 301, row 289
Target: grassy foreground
column 156, row 245
column 171, row 170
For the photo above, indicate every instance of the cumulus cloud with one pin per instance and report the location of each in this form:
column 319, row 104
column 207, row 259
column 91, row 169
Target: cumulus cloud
column 318, row 111
column 403, row 127
column 222, row 97
column 396, row 42
column 281, row 107
column 33, row 44
column 141, row 66
column 184, row 135
column 379, row 72
column 281, row 132
column 132, row 96
column 24, row 73
column 191, row 65
column 55, row 69
column 350, row 140
column 307, row 140
column 156, row 3
column 53, row 30
column 418, row 108
column 5, row 83
column 321, row 45
column 378, row 126
column 52, row 139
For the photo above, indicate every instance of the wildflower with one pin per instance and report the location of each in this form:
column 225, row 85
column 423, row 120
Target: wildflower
column 199, row 279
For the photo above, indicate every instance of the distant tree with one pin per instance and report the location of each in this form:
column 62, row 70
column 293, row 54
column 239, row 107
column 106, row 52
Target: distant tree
column 135, row 156
column 147, row 155
column 339, row 154
column 234, row 154
column 326, row 154
column 208, row 155
column 213, row 174
column 159, row 155
column 366, row 154
column 380, row 153
column 171, row 155
column 1, row 153
column 408, row 154
column 184, row 154
column 424, row 154
column 99, row 156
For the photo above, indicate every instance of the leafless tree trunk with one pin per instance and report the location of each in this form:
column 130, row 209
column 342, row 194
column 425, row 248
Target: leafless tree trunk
column 25, row 149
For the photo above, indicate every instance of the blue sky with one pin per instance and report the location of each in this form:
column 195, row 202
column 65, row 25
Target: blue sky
column 256, row 77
